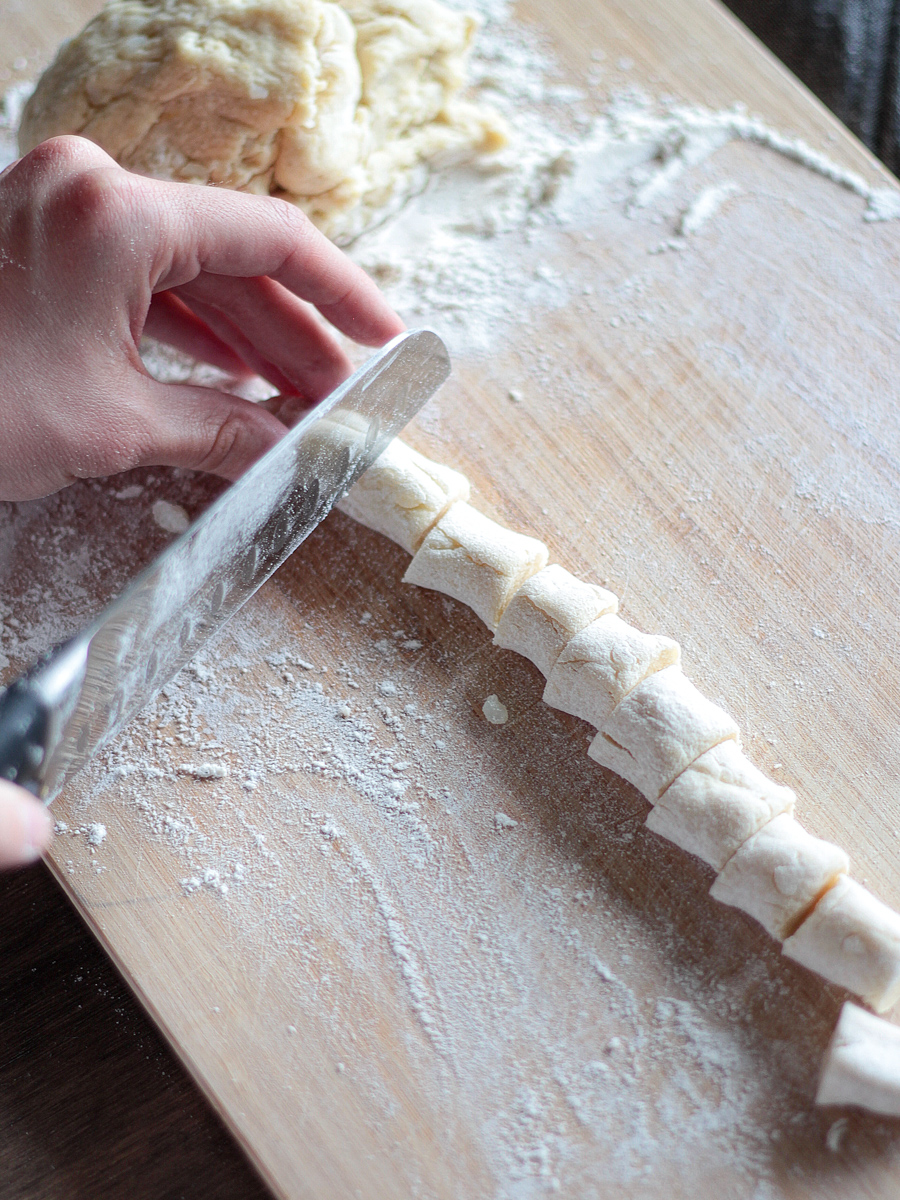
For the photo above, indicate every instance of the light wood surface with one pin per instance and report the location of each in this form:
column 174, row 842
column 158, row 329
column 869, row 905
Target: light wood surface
column 723, row 455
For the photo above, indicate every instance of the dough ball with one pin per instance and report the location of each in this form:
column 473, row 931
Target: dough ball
column 600, row 666
column 853, row 940
column 403, row 494
column 862, row 1063
column 779, row 874
column 328, row 105
column 659, row 729
column 546, row 613
column 473, row 559
column 719, row 802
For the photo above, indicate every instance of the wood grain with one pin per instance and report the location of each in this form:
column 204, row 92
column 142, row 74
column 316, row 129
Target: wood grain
column 708, row 434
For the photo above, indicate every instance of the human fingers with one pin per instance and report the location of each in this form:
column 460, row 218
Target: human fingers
column 282, row 329
column 170, row 320
column 229, row 332
column 205, row 430
column 235, row 234
column 25, row 827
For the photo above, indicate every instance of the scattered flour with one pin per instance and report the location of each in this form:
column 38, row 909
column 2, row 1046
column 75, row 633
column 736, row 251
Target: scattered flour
column 96, row 834
column 495, row 711
column 170, row 517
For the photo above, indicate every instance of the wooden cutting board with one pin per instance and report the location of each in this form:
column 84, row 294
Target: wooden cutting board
column 407, row 952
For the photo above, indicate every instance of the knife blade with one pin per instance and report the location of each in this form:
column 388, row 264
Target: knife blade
column 60, row 713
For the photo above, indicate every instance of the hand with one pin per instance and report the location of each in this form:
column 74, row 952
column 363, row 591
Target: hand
column 25, row 827
column 91, row 256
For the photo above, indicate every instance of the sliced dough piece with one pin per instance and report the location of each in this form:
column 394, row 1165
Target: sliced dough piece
column 473, row 559
column 546, row 613
column 601, row 665
column 779, row 874
column 328, row 437
column 852, row 939
column 719, row 802
column 661, row 727
column 403, row 494
column 862, row 1063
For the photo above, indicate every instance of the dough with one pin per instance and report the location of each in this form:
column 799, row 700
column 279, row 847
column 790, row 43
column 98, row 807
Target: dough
column 328, row 438
column 601, row 665
column 472, row 558
column 779, row 874
column 546, row 613
column 660, row 728
column 852, row 939
column 862, row 1063
column 719, row 802
column 329, row 105
column 403, row 494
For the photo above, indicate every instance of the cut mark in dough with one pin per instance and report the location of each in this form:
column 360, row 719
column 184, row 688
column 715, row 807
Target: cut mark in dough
column 660, row 727
column 852, row 939
column 473, row 559
column 778, row 875
column 719, row 802
column 601, row 665
column 547, row 611
column 403, row 495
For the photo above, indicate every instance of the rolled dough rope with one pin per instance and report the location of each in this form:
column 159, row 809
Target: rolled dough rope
column 472, row 558
column 862, row 1063
column 403, row 494
column 546, row 613
column 599, row 667
column 719, row 802
column 719, row 806
column 852, row 939
column 661, row 726
column 778, row 875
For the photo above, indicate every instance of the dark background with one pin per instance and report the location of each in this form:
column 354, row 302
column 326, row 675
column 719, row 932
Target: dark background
column 847, row 52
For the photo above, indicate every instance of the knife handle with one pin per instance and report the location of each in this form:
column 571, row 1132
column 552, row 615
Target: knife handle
column 24, row 724
column 34, row 711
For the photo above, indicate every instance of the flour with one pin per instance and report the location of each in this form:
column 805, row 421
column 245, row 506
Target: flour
column 495, row 711
column 170, row 517
column 705, row 207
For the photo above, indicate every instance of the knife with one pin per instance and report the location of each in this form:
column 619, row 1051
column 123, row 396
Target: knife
column 57, row 716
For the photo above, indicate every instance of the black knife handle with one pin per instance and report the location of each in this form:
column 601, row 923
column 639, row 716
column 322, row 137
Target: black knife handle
column 24, row 726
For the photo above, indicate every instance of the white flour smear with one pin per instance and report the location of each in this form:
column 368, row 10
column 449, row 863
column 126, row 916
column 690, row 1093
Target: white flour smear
column 303, row 785
column 474, row 250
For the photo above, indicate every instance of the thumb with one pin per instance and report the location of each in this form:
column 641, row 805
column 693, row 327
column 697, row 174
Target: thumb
column 25, row 827
column 206, row 430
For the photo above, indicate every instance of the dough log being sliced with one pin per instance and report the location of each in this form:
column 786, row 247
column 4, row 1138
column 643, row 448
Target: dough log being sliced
column 403, row 494
column 658, row 730
column 717, row 804
column 601, row 665
column 473, row 559
column 680, row 749
column 852, row 939
column 547, row 611
column 779, row 874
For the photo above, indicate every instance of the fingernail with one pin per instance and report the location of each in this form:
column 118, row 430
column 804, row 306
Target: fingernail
column 38, row 828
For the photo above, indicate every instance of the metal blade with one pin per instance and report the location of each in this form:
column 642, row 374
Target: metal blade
column 182, row 599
